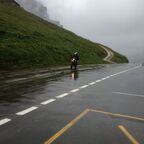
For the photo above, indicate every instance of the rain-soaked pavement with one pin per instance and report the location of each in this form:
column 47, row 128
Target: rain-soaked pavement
column 103, row 105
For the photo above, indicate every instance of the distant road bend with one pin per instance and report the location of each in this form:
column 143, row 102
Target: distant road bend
column 109, row 56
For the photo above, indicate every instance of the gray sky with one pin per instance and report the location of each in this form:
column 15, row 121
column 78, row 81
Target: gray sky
column 118, row 24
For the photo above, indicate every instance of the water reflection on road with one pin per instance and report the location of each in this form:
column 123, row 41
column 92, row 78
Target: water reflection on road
column 74, row 75
column 24, row 91
column 17, row 91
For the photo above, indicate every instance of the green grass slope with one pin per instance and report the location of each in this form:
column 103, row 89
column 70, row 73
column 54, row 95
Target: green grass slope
column 27, row 41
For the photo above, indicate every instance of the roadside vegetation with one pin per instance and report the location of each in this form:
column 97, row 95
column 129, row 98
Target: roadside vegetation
column 27, row 41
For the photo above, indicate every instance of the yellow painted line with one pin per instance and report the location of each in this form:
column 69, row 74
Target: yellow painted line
column 69, row 125
column 74, row 121
column 128, row 135
column 117, row 115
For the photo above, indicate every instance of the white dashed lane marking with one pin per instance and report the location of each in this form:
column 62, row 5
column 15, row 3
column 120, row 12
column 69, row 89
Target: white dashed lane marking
column 82, row 87
column 92, row 83
column 4, row 121
column 48, row 101
column 75, row 90
column 103, row 79
column 26, row 111
column 62, row 95
column 98, row 81
column 128, row 94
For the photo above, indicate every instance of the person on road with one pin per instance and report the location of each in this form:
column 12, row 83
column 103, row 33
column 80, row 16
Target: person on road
column 76, row 56
column 74, row 60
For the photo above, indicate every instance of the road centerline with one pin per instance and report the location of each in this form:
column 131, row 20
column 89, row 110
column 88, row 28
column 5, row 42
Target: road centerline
column 62, row 95
column 75, row 90
column 27, row 111
column 84, row 86
column 92, row 83
column 48, row 101
column 103, row 79
column 4, row 121
column 97, row 81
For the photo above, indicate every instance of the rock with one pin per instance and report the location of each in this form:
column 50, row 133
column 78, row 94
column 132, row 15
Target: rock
column 12, row 2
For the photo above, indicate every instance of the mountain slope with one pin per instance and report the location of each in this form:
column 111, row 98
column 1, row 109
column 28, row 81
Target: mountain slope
column 27, row 41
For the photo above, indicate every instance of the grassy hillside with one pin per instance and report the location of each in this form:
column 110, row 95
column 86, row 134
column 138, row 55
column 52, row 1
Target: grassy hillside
column 26, row 41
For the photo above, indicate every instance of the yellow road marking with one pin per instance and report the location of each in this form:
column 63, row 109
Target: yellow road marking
column 74, row 121
column 69, row 125
column 128, row 135
column 117, row 115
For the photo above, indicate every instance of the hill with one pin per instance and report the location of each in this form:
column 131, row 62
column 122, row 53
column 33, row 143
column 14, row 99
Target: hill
column 27, row 41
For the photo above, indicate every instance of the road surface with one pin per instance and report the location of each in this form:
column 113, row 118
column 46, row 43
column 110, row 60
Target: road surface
column 100, row 106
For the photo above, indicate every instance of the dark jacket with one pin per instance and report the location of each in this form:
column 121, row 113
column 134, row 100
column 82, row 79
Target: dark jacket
column 76, row 56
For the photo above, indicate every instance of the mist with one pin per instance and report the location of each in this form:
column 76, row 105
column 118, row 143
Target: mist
column 118, row 24
column 35, row 7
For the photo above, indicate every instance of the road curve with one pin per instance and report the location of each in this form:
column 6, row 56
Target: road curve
column 109, row 56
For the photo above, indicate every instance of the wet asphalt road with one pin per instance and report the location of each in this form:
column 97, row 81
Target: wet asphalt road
column 97, row 107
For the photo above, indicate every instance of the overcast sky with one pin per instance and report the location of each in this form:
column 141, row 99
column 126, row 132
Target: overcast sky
column 118, row 24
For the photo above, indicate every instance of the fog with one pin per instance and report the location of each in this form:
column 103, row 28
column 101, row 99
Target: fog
column 118, row 24
column 36, row 7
